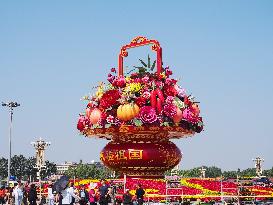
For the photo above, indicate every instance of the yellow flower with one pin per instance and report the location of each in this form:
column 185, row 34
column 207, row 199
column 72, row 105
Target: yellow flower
column 163, row 75
column 100, row 90
column 133, row 87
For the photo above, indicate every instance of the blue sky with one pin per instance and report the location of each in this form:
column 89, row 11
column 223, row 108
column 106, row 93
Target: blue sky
column 53, row 52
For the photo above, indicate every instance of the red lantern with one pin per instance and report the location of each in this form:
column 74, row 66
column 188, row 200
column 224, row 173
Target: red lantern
column 141, row 159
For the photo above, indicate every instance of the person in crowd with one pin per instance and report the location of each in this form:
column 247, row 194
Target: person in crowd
column 18, row 194
column 9, row 197
column 59, row 198
column 73, row 189
column 127, row 198
column 112, row 193
column 25, row 193
column 50, row 194
column 2, row 195
column 83, row 194
column 32, row 195
column 139, row 194
column 92, row 194
column 103, row 190
column 67, row 195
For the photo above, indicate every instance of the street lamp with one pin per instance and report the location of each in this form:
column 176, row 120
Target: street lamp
column 40, row 146
column 10, row 105
column 258, row 165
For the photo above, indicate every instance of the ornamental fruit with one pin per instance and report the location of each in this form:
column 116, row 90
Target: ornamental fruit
column 178, row 116
column 196, row 109
column 88, row 112
column 95, row 116
column 127, row 112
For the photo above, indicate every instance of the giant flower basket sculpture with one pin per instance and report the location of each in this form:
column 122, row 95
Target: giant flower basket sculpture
column 140, row 112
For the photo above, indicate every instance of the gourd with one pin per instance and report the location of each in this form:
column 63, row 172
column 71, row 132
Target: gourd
column 127, row 112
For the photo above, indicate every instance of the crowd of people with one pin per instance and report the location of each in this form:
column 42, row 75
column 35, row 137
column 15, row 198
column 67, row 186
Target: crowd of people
column 105, row 194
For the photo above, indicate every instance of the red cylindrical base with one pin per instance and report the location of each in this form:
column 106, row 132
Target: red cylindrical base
column 141, row 159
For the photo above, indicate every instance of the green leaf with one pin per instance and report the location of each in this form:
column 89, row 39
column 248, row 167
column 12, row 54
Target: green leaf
column 166, row 124
column 179, row 103
column 149, row 61
column 142, row 62
column 107, row 125
column 137, row 122
column 153, row 66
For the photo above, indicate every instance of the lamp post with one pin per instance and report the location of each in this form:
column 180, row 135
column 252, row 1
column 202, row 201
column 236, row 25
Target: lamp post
column 40, row 146
column 10, row 105
column 258, row 165
column 202, row 172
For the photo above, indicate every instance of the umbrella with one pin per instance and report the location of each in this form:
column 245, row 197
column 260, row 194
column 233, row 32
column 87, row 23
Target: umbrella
column 61, row 184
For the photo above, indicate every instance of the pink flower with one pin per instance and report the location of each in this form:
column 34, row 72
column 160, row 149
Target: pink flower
column 159, row 84
column 188, row 114
column 147, row 114
column 111, row 78
column 169, row 110
column 168, row 81
column 120, row 82
column 117, row 122
column 82, row 123
column 145, row 79
column 110, row 119
column 168, row 72
column 113, row 70
column 146, row 95
column 181, row 91
column 169, row 100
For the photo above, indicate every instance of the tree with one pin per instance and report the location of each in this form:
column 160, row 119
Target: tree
column 3, row 168
column 213, row 172
column 250, row 172
column 18, row 166
column 30, row 168
column 88, row 171
column 50, row 169
column 230, row 174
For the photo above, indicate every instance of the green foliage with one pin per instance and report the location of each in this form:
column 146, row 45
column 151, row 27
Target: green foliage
column 145, row 67
column 213, row 172
column 3, row 168
column 84, row 171
column 24, row 168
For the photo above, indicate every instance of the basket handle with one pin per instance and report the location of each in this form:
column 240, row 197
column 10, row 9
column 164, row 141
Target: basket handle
column 137, row 42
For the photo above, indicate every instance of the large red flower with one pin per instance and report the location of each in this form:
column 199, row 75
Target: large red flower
column 170, row 90
column 109, row 98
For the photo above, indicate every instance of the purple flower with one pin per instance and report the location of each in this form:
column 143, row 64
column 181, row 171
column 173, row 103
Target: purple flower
column 147, row 114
